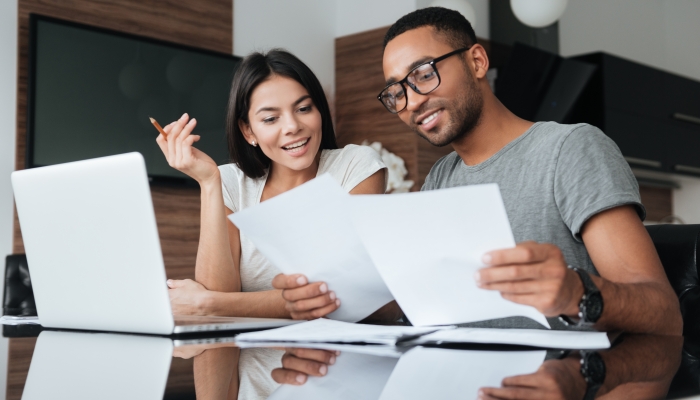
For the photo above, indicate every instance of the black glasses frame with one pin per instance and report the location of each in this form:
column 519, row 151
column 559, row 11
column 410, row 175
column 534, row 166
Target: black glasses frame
column 403, row 82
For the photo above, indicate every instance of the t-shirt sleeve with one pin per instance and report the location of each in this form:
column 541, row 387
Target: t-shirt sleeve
column 230, row 186
column 592, row 176
column 356, row 164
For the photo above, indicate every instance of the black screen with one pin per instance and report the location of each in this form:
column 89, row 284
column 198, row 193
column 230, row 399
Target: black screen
column 92, row 91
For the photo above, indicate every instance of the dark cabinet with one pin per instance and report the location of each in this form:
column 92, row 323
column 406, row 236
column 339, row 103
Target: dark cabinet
column 652, row 115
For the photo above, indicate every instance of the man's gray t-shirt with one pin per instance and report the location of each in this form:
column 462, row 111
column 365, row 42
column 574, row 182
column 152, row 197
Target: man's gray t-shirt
column 553, row 178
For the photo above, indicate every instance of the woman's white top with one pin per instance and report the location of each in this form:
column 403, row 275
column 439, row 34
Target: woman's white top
column 348, row 166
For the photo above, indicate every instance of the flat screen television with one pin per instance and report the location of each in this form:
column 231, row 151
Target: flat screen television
column 91, row 91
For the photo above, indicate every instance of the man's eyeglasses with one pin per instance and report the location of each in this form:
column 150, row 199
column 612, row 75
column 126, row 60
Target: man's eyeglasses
column 423, row 79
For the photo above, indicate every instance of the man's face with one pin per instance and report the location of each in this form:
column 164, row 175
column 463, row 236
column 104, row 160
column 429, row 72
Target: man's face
column 450, row 111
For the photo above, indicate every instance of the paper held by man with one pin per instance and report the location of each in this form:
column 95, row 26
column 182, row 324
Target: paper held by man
column 421, row 249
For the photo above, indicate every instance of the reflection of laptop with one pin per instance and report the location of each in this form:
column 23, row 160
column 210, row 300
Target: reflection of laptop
column 93, row 251
column 82, row 366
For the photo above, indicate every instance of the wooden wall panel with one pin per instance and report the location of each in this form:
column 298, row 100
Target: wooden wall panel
column 657, row 201
column 204, row 24
column 21, row 350
column 359, row 116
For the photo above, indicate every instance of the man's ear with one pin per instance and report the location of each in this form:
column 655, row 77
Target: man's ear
column 481, row 61
column 247, row 132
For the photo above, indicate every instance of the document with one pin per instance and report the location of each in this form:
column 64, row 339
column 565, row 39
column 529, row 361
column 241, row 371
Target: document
column 427, row 247
column 432, row 373
column 353, row 376
column 307, row 231
column 525, row 337
column 329, row 331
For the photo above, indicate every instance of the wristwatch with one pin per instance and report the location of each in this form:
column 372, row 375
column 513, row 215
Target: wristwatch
column 590, row 308
column 593, row 371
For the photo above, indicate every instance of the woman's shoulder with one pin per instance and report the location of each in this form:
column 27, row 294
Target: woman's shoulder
column 350, row 165
column 238, row 189
column 350, row 153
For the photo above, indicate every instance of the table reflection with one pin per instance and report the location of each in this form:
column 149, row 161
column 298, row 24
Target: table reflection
column 113, row 366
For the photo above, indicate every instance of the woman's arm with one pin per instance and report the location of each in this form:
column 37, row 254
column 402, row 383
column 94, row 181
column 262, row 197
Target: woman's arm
column 216, row 267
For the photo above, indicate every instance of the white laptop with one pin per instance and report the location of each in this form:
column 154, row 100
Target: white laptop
column 93, row 250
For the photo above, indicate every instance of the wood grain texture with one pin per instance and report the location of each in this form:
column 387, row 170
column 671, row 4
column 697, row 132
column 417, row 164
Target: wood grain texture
column 21, row 350
column 657, row 201
column 203, row 24
column 360, row 116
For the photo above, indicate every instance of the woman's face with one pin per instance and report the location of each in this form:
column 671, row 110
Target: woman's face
column 284, row 122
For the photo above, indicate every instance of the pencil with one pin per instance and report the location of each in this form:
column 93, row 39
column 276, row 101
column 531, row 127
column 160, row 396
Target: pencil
column 157, row 125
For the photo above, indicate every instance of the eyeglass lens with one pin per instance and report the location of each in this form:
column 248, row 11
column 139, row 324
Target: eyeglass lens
column 422, row 80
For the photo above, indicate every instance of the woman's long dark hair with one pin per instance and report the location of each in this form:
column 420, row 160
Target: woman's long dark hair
column 254, row 70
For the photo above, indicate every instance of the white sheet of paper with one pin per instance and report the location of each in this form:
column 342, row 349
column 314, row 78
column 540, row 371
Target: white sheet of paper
column 428, row 245
column 307, row 231
column 325, row 330
column 353, row 376
column 433, row 373
column 550, row 339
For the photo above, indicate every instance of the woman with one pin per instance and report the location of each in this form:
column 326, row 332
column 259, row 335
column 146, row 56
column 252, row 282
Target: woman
column 280, row 136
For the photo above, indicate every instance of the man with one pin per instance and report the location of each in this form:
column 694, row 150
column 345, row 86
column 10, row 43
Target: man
column 570, row 196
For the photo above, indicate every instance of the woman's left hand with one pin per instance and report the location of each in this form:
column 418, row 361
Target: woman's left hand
column 305, row 300
column 187, row 297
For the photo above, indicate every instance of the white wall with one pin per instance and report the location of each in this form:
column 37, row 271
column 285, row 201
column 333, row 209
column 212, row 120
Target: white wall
column 662, row 34
column 8, row 112
column 308, row 28
column 304, row 27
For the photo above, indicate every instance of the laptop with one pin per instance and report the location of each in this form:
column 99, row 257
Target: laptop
column 93, row 250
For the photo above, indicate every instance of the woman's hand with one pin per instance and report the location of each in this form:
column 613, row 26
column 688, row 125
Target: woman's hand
column 298, row 364
column 180, row 154
column 305, row 300
column 187, row 297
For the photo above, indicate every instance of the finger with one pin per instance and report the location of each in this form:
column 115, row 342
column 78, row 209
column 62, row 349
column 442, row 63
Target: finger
column 311, row 304
column 175, row 283
column 305, row 292
column 510, row 393
column 529, row 380
column 289, row 377
column 507, row 273
column 303, row 365
column 523, row 253
column 183, row 152
column 162, row 143
column 282, row 281
column 322, row 356
column 317, row 313
column 529, row 286
column 486, row 394
column 526, row 299
column 172, row 135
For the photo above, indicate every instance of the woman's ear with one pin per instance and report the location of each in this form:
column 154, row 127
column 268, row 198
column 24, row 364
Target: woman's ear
column 247, row 132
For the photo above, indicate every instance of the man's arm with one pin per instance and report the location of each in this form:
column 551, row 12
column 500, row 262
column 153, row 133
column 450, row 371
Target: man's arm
column 636, row 293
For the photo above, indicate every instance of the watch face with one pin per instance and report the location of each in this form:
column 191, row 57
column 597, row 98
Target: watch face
column 594, row 306
column 593, row 368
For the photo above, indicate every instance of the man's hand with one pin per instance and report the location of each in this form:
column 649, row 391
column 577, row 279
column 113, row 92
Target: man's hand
column 298, row 364
column 533, row 274
column 187, row 297
column 305, row 300
column 555, row 379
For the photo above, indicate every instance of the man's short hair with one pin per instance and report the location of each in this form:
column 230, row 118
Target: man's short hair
column 450, row 23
